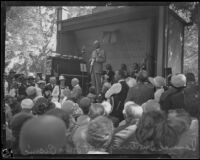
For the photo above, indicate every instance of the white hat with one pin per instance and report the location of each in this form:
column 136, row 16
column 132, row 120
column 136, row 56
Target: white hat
column 61, row 78
column 178, row 80
column 158, row 81
column 27, row 104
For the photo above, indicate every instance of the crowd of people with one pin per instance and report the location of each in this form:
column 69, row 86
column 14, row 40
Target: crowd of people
column 134, row 114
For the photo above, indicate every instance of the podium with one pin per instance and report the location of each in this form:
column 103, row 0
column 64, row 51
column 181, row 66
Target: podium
column 70, row 67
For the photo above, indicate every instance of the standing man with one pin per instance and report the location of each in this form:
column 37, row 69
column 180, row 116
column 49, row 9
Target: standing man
column 96, row 66
column 118, row 92
column 76, row 92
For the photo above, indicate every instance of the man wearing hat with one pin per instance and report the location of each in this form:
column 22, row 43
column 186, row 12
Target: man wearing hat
column 40, row 87
column 58, row 91
column 31, row 80
column 96, row 66
column 173, row 98
column 27, row 105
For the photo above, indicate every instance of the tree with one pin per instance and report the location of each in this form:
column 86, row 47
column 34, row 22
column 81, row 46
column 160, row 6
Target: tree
column 190, row 11
column 30, row 36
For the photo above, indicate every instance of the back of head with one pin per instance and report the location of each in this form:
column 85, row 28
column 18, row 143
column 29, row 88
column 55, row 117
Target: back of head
column 42, row 135
column 60, row 114
column 99, row 132
column 142, row 76
column 68, row 106
column 85, row 105
column 31, row 91
column 75, row 81
column 133, row 111
column 96, row 110
column 41, row 106
column 27, row 104
column 153, row 130
column 151, row 105
column 178, row 81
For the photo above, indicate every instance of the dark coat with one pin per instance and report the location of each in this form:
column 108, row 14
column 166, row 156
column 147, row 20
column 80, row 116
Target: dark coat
column 172, row 99
column 140, row 93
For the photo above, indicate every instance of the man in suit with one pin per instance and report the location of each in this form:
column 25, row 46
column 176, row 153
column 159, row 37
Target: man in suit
column 96, row 66
column 76, row 92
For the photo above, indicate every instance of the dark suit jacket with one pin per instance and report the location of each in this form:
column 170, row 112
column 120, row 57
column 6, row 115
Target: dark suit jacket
column 140, row 93
column 76, row 93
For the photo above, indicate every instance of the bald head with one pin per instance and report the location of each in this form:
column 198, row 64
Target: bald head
column 74, row 82
column 42, row 135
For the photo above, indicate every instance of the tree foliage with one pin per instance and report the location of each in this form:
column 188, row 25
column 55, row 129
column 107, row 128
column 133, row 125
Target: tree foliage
column 190, row 12
column 29, row 36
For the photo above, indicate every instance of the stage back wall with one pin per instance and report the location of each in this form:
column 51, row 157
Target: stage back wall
column 125, row 42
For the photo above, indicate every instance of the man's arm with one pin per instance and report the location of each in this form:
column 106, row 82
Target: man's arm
column 115, row 89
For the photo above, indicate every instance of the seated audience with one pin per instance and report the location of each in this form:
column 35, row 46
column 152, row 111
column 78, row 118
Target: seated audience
column 154, row 133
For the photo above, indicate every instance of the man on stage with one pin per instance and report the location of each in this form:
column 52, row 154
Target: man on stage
column 96, row 66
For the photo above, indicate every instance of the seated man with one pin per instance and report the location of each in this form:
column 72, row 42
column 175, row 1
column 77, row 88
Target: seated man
column 76, row 92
